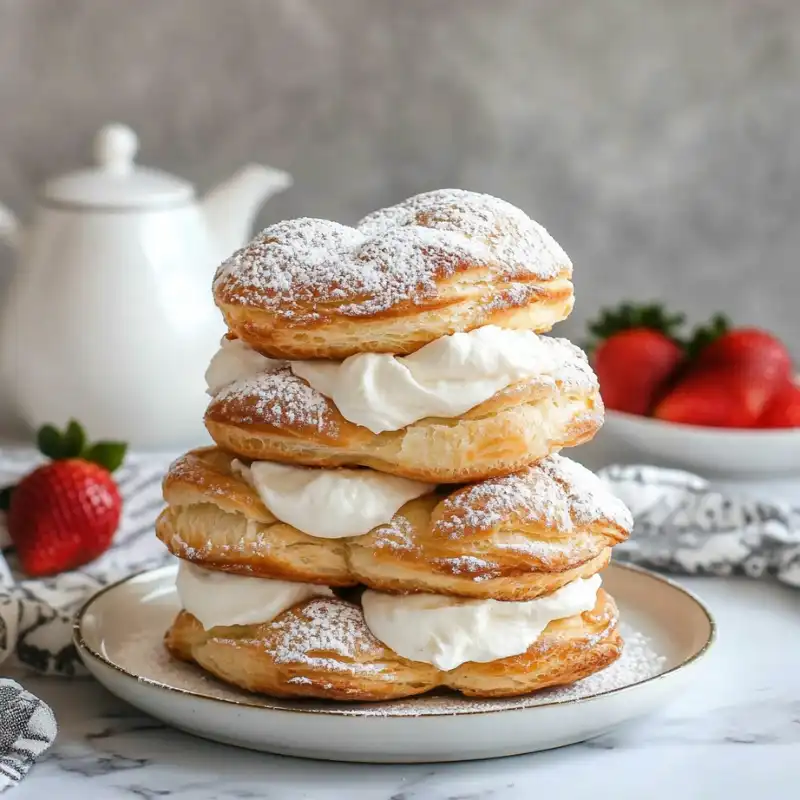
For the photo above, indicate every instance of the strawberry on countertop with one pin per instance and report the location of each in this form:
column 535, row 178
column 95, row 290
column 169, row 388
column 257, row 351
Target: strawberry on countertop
column 635, row 354
column 65, row 513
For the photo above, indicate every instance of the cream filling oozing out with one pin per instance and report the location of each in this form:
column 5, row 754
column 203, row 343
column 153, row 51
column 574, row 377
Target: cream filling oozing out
column 217, row 598
column 382, row 392
column 449, row 631
column 330, row 503
column 435, row 629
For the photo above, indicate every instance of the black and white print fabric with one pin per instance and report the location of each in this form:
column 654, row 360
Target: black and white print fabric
column 684, row 526
column 27, row 728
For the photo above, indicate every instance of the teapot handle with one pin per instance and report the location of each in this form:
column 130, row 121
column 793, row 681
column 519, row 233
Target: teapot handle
column 9, row 227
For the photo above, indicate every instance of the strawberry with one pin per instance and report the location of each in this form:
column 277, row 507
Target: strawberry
column 783, row 410
column 765, row 354
column 732, row 378
column 716, row 396
column 637, row 356
column 64, row 514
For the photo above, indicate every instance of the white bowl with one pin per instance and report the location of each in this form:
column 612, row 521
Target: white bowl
column 709, row 451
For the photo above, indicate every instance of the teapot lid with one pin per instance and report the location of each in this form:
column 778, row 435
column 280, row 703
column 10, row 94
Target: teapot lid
column 117, row 182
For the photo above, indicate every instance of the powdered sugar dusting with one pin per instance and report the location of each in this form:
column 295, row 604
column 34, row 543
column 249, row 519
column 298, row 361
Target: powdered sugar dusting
column 254, row 542
column 557, row 491
column 589, row 497
column 397, row 534
column 276, row 398
column 324, row 625
column 520, row 244
column 543, row 550
column 317, row 262
column 395, row 256
column 469, row 566
column 638, row 662
column 566, row 364
column 144, row 655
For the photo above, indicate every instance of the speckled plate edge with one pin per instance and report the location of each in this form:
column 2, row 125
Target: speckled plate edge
column 350, row 710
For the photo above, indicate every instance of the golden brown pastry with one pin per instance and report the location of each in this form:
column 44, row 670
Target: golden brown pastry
column 440, row 262
column 322, row 648
column 510, row 538
column 277, row 416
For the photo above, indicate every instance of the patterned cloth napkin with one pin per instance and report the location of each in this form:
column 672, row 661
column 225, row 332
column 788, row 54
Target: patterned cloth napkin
column 682, row 526
column 36, row 615
column 27, row 728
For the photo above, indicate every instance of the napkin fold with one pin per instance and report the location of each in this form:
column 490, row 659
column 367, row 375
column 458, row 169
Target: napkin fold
column 27, row 729
column 682, row 526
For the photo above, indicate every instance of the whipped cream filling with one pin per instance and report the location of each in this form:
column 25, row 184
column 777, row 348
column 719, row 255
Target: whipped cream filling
column 233, row 361
column 330, row 503
column 382, row 392
column 219, row 598
column 450, row 631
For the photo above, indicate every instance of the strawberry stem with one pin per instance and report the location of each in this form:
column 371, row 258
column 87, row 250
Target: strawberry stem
column 5, row 497
column 48, row 440
column 72, row 443
column 704, row 335
column 109, row 455
column 628, row 316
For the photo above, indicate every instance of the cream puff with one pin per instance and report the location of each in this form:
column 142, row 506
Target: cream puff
column 466, row 407
column 323, row 648
column 515, row 537
column 438, row 263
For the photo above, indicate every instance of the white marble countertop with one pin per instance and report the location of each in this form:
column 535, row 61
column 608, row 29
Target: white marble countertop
column 734, row 734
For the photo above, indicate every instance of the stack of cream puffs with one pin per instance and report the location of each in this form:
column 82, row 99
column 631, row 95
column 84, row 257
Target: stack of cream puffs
column 386, row 511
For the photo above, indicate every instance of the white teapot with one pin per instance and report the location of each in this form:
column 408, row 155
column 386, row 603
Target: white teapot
column 109, row 318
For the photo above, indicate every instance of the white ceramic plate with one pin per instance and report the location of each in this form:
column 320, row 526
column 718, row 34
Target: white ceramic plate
column 715, row 451
column 118, row 634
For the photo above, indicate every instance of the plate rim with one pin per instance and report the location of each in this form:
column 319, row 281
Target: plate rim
column 84, row 649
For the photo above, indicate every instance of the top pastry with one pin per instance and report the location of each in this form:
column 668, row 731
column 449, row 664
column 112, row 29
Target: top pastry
column 438, row 263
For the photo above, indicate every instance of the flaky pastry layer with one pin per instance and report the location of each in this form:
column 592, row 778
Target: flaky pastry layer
column 436, row 264
column 510, row 538
column 323, row 649
column 277, row 416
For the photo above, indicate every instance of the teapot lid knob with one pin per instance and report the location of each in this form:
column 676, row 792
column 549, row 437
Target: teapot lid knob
column 116, row 181
column 115, row 147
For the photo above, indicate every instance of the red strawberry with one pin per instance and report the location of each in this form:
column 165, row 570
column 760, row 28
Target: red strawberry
column 638, row 356
column 64, row 514
column 724, row 397
column 733, row 376
column 759, row 351
column 783, row 410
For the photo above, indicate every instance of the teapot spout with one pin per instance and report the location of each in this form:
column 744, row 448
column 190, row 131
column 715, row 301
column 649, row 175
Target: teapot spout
column 231, row 207
column 10, row 230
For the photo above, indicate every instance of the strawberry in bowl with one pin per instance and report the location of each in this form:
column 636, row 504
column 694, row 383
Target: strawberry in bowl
column 635, row 355
column 722, row 400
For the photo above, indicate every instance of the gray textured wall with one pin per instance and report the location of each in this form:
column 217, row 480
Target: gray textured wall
column 657, row 139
